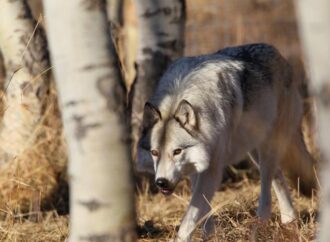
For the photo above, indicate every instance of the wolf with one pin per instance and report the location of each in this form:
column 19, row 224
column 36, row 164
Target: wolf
column 214, row 110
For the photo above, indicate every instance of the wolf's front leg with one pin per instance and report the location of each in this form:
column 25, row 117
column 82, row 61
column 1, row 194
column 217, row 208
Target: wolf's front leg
column 197, row 212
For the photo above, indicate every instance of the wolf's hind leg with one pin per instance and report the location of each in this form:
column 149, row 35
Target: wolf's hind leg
column 280, row 186
column 281, row 190
column 267, row 169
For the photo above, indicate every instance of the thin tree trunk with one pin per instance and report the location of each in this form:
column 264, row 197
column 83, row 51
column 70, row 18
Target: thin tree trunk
column 161, row 40
column 314, row 19
column 24, row 50
column 92, row 95
column 116, row 20
column 115, row 12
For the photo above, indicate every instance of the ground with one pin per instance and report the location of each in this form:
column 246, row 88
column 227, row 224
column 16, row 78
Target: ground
column 158, row 217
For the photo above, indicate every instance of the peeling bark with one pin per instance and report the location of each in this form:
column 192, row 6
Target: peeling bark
column 314, row 19
column 25, row 54
column 92, row 98
column 161, row 40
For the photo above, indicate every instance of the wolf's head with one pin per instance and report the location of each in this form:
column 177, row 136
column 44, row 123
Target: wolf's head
column 172, row 145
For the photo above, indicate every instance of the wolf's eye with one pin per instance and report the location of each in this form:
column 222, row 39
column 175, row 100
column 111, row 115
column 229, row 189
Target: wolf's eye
column 154, row 152
column 177, row 151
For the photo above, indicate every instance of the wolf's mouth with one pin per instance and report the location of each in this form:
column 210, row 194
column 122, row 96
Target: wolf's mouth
column 166, row 191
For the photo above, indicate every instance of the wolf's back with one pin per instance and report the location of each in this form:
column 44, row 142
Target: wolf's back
column 297, row 161
column 255, row 53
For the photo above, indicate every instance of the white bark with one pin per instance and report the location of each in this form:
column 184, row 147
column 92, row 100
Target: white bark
column 91, row 96
column 314, row 18
column 161, row 40
column 24, row 50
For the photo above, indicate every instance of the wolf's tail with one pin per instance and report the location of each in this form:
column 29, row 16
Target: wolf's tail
column 300, row 165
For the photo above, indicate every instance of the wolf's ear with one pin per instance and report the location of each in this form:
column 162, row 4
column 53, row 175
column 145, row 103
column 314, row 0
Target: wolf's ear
column 186, row 115
column 151, row 115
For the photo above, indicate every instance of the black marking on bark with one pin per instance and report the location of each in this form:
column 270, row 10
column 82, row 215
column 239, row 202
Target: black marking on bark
column 324, row 95
column 92, row 205
column 97, row 238
column 93, row 5
column 173, row 45
column 26, row 88
column 149, row 13
column 98, row 65
column 104, row 85
column 24, row 10
column 179, row 15
column 36, row 56
column 82, row 128
column 147, row 51
column 72, row 103
column 42, row 90
column 114, row 93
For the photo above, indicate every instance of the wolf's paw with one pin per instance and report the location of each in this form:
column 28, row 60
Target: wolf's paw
column 288, row 217
column 177, row 239
column 208, row 228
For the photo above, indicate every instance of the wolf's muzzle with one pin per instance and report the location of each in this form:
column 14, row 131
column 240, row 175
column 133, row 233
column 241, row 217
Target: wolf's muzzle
column 164, row 186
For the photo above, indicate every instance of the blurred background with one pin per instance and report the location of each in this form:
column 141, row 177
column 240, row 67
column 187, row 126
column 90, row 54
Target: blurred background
column 215, row 24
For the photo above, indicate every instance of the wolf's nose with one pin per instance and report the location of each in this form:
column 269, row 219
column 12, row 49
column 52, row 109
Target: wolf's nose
column 162, row 183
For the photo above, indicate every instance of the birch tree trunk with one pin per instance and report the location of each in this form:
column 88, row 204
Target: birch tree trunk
column 161, row 40
column 115, row 15
column 92, row 96
column 24, row 49
column 314, row 18
column 115, row 12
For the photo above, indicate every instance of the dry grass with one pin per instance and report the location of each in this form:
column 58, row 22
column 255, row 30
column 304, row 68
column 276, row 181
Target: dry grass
column 234, row 211
column 33, row 186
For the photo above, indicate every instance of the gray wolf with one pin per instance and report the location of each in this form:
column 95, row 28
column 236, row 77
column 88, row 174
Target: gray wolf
column 213, row 110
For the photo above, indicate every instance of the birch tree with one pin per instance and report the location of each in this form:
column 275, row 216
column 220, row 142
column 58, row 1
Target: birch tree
column 92, row 94
column 115, row 12
column 161, row 40
column 24, row 49
column 314, row 18
column 115, row 15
